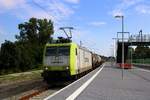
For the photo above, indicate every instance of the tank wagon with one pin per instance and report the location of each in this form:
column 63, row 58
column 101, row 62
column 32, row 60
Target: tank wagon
column 96, row 60
column 64, row 61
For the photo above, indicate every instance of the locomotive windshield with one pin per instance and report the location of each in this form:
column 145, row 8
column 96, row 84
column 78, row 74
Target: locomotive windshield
column 57, row 51
column 63, row 51
column 51, row 51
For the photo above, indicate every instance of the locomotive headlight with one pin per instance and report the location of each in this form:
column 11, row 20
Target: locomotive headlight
column 46, row 68
column 67, row 67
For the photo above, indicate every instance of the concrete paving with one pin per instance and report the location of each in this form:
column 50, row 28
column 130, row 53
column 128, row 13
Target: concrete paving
column 108, row 85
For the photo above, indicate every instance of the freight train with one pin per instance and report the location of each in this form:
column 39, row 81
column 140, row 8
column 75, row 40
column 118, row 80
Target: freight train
column 64, row 61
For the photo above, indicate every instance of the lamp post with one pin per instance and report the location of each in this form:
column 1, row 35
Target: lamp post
column 122, row 17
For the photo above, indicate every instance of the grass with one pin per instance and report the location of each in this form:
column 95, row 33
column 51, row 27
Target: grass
column 140, row 61
column 18, row 77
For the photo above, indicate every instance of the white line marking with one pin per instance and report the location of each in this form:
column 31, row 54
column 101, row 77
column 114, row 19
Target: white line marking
column 141, row 69
column 67, row 86
column 80, row 89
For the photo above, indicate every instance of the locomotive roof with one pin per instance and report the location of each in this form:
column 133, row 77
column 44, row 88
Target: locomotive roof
column 67, row 44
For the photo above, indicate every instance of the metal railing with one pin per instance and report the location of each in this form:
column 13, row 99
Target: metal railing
column 139, row 38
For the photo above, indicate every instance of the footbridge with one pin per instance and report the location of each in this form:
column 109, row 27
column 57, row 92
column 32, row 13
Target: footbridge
column 132, row 40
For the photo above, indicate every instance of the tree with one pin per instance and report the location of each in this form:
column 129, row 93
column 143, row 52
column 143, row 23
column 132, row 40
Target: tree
column 36, row 33
column 27, row 51
column 9, row 56
column 142, row 52
column 45, row 29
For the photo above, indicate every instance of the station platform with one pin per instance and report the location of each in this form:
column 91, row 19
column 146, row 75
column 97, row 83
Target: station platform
column 106, row 83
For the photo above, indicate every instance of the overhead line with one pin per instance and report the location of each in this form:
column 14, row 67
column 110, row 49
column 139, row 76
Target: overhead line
column 36, row 4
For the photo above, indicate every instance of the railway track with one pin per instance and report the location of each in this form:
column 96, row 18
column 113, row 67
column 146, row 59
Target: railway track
column 29, row 90
column 50, row 91
column 33, row 93
column 20, row 89
column 16, row 90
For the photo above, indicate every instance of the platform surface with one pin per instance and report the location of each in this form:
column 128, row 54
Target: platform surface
column 109, row 85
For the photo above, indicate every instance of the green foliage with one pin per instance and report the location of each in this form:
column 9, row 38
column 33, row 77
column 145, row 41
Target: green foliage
column 8, row 56
column 141, row 52
column 26, row 52
column 36, row 31
column 142, row 61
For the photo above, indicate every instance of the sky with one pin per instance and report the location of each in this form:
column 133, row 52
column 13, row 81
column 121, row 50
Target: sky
column 93, row 20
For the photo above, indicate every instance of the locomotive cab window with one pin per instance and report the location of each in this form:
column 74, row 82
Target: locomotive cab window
column 57, row 51
column 51, row 51
column 64, row 50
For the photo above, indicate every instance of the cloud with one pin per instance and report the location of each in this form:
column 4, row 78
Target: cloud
column 143, row 9
column 73, row 1
column 123, row 6
column 10, row 4
column 116, row 12
column 128, row 3
column 25, row 9
column 97, row 24
column 59, row 9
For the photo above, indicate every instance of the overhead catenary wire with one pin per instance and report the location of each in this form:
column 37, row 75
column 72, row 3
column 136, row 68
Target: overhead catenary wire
column 42, row 8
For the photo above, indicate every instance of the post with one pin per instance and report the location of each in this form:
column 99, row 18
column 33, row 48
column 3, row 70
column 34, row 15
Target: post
column 122, row 65
column 81, row 43
column 122, row 46
column 131, row 54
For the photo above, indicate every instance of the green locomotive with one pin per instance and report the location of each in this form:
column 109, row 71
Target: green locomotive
column 63, row 61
